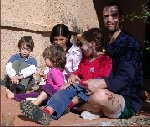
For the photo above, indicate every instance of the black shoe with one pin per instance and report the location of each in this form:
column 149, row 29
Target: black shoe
column 34, row 112
column 20, row 87
column 12, row 87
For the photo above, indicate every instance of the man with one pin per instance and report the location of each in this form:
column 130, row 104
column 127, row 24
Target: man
column 120, row 95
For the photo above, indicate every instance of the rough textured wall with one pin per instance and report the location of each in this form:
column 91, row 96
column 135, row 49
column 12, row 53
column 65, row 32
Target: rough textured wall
column 42, row 15
column 36, row 18
column 26, row 14
column 73, row 13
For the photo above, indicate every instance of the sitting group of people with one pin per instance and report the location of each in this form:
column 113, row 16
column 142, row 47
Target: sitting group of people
column 88, row 75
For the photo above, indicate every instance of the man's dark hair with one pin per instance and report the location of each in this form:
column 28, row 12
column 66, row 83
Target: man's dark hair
column 113, row 3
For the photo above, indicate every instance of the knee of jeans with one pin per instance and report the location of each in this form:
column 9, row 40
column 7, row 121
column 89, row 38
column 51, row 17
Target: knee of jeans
column 58, row 95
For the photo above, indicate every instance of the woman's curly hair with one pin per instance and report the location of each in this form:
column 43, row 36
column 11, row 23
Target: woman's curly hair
column 56, row 55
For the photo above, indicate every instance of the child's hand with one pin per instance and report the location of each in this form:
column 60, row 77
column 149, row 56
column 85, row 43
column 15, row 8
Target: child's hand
column 41, row 74
column 73, row 78
column 44, row 76
column 20, row 77
column 15, row 79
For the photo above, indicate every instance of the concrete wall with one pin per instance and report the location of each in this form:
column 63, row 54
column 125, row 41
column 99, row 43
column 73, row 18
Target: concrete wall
column 36, row 18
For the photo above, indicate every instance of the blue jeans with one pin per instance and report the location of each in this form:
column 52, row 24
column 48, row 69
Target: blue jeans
column 61, row 99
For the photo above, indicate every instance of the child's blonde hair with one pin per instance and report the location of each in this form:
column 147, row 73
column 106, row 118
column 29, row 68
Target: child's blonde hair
column 56, row 55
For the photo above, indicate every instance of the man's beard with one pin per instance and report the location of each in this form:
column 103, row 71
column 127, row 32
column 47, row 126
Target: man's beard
column 114, row 29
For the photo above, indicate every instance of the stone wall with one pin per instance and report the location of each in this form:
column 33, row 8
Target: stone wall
column 36, row 18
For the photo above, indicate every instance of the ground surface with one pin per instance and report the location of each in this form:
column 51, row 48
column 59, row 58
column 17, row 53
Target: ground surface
column 72, row 119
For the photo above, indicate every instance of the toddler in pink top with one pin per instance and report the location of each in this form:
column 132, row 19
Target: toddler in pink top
column 55, row 58
column 54, row 80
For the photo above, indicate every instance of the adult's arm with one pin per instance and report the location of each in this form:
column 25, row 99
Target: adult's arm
column 126, row 71
column 92, row 85
column 76, row 59
column 73, row 59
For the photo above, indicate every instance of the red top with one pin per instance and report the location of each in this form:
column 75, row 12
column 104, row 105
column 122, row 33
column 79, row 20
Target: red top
column 98, row 68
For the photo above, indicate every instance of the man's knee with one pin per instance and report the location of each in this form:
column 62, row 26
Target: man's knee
column 100, row 96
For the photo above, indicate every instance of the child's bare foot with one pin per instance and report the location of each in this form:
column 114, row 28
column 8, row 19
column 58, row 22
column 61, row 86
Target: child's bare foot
column 9, row 94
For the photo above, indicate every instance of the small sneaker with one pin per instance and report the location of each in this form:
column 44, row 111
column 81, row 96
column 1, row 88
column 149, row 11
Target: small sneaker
column 34, row 112
column 90, row 116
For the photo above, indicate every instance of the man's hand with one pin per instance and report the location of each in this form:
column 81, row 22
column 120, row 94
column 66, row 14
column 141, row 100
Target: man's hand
column 92, row 85
column 73, row 78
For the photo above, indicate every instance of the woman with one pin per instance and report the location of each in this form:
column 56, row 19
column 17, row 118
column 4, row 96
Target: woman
column 61, row 36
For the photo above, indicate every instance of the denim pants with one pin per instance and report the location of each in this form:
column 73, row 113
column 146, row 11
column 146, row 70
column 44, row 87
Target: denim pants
column 61, row 99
